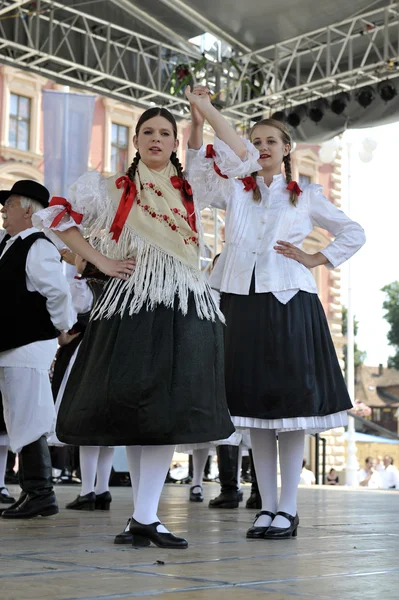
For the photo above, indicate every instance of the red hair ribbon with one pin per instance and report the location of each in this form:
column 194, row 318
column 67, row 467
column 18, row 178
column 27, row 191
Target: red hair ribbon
column 58, row 201
column 294, row 187
column 125, row 204
column 187, row 197
column 210, row 153
column 249, row 183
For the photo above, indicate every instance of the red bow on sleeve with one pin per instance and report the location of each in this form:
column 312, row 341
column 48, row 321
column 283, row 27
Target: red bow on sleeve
column 187, row 197
column 210, row 153
column 294, row 187
column 125, row 204
column 58, row 201
column 249, row 183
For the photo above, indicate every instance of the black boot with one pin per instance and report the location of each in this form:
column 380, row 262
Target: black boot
column 229, row 496
column 37, row 498
column 255, row 500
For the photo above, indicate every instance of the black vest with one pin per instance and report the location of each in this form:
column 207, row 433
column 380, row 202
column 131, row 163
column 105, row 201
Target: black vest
column 24, row 312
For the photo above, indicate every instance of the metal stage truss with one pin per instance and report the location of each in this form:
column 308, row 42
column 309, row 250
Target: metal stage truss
column 75, row 48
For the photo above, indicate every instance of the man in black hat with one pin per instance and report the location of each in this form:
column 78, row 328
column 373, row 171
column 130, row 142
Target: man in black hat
column 36, row 303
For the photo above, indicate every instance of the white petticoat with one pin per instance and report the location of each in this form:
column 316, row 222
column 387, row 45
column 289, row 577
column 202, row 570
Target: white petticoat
column 309, row 424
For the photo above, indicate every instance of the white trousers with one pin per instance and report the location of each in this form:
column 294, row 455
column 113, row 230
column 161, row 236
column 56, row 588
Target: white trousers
column 28, row 405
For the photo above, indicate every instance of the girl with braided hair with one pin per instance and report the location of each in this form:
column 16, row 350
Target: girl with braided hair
column 149, row 372
column 282, row 373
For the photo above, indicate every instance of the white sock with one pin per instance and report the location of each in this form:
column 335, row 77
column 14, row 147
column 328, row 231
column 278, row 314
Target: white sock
column 154, row 465
column 199, row 461
column 3, row 466
column 239, row 466
column 291, row 448
column 133, row 454
column 88, row 456
column 264, row 452
column 104, row 466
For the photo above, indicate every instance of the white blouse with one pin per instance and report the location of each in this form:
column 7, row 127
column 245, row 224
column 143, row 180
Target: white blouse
column 252, row 229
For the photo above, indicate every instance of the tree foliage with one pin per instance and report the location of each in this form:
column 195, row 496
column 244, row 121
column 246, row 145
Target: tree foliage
column 391, row 307
column 360, row 355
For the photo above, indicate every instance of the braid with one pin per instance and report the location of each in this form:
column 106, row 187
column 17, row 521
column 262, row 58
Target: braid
column 288, row 178
column 176, row 163
column 131, row 172
column 257, row 196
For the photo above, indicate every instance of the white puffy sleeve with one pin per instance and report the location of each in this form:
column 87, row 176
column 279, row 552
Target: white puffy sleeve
column 212, row 170
column 349, row 235
column 86, row 200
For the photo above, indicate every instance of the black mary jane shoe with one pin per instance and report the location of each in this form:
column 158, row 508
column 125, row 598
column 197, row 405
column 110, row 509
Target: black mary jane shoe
column 196, row 496
column 103, row 501
column 5, row 498
column 87, row 502
column 142, row 534
column 283, row 533
column 258, row 533
column 125, row 537
column 254, row 501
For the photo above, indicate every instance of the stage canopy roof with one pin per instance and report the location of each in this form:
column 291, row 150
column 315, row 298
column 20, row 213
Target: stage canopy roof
column 257, row 57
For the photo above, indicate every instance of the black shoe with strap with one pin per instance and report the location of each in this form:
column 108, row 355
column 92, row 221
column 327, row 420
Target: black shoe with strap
column 125, row 537
column 254, row 501
column 197, row 496
column 258, row 533
column 103, row 501
column 142, row 534
column 283, row 533
column 6, row 498
column 86, row 502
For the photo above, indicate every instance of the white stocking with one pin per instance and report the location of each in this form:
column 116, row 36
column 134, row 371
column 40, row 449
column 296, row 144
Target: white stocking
column 199, row 462
column 88, row 456
column 104, row 466
column 3, row 466
column 264, row 452
column 133, row 454
column 239, row 467
column 291, row 448
column 154, row 464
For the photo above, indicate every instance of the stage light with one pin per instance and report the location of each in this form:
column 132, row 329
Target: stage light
column 317, row 109
column 339, row 103
column 279, row 116
column 295, row 116
column 386, row 90
column 365, row 96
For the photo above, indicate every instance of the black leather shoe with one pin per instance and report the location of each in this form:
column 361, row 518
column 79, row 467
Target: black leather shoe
column 5, row 498
column 196, row 496
column 103, row 501
column 225, row 500
column 87, row 502
column 254, row 501
column 21, row 498
column 283, row 533
column 257, row 533
column 32, row 505
column 125, row 537
column 142, row 534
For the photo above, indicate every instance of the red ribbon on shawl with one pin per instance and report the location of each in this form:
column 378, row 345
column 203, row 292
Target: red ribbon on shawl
column 125, row 204
column 294, row 187
column 249, row 183
column 187, row 198
column 210, row 153
column 58, row 201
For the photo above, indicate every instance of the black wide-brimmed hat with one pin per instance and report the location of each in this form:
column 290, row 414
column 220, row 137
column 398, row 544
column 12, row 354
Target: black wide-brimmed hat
column 28, row 189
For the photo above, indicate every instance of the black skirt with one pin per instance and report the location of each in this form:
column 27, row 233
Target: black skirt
column 156, row 377
column 280, row 361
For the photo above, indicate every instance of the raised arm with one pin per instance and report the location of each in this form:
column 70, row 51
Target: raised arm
column 201, row 107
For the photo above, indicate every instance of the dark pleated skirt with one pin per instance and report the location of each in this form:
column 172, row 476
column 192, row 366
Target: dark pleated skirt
column 156, row 377
column 280, row 361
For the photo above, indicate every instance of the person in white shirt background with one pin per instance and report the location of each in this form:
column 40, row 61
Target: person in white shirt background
column 307, row 476
column 282, row 373
column 369, row 476
column 37, row 304
column 390, row 474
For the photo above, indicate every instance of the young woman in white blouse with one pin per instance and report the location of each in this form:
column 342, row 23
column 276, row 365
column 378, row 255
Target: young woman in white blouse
column 282, row 374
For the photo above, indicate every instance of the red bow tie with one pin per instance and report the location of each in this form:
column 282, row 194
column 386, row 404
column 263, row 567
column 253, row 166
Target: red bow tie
column 125, row 204
column 294, row 187
column 181, row 184
column 58, row 201
column 249, row 183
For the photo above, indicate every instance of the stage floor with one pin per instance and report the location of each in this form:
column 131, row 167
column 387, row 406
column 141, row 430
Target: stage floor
column 347, row 549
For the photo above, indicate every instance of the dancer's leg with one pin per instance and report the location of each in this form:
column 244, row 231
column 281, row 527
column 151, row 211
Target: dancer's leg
column 133, row 454
column 199, row 461
column 88, row 456
column 264, row 452
column 291, row 449
column 104, row 466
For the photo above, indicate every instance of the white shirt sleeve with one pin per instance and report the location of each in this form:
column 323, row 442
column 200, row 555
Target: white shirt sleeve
column 211, row 188
column 349, row 235
column 82, row 296
column 44, row 275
